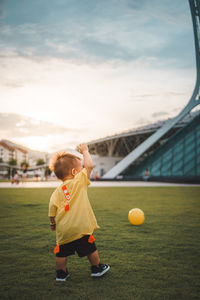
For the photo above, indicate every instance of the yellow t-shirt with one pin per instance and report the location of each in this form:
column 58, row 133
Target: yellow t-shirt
column 79, row 220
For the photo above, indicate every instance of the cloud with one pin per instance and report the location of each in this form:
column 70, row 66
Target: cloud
column 15, row 125
column 2, row 8
column 38, row 135
column 142, row 121
column 160, row 114
column 141, row 97
column 13, row 84
column 157, row 96
column 102, row 31
column 165, row 11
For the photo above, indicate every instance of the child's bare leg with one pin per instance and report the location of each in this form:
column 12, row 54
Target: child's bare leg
column 94, row 258
column 61, row 263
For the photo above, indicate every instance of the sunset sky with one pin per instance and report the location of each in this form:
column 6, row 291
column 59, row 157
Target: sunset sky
column 76, row 70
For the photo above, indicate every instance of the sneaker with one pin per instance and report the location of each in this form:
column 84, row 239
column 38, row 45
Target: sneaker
column 61, row 275
column 100, row 270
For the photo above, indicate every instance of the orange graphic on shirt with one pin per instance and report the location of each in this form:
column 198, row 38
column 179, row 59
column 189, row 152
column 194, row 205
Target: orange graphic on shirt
column 67, row 197
column 91, row 239
column 66, row 207
column 56, row 249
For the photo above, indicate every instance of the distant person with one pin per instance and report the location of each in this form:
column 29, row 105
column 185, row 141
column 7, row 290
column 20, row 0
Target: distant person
column 24, row 172
column 71, row 214
column 42, row 175
column 96, row 175
column 15, row 178
column 46, row 174
column 146, row 175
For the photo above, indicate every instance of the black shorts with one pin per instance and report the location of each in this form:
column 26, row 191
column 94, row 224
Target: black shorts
column 82, row 246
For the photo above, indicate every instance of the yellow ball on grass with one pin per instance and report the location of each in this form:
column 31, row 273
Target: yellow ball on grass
column 136, row 216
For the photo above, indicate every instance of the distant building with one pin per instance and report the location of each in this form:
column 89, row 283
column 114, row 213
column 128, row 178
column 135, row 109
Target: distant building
column 8, row 152
column 20, row 155
column 102, row 165
column 34, row 156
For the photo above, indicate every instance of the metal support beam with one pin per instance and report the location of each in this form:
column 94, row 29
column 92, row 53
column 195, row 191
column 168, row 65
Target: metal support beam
column 111, row 146
column 126, row 145
column 194, row 101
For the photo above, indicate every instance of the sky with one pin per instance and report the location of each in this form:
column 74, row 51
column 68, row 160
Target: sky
column 72, row 71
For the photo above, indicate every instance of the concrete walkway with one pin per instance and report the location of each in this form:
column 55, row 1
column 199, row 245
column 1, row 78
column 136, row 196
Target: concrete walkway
column 54, row 184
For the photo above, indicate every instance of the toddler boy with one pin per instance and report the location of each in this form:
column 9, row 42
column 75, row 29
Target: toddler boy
column 71, row 214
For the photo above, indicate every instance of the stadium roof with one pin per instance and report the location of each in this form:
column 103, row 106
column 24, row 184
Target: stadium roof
column 150, row 128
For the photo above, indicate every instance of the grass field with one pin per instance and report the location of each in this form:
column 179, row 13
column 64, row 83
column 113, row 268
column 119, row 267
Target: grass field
column 158, row 260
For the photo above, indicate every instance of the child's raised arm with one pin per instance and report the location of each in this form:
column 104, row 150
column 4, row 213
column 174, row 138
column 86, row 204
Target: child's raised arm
column 83, row 149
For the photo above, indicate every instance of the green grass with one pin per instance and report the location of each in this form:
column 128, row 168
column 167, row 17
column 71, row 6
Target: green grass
column 158, row 260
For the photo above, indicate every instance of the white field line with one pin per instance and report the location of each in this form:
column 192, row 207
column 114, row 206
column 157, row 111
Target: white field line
column 54, row 184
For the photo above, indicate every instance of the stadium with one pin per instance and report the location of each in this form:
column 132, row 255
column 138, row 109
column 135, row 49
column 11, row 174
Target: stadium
column 174, row 157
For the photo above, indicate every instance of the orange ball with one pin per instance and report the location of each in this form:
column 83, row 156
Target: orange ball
column 136, row 216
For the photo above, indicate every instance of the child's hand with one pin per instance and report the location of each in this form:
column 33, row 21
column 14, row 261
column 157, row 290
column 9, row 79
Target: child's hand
column 53, row 227
column 52, row 223
column 82, row 148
